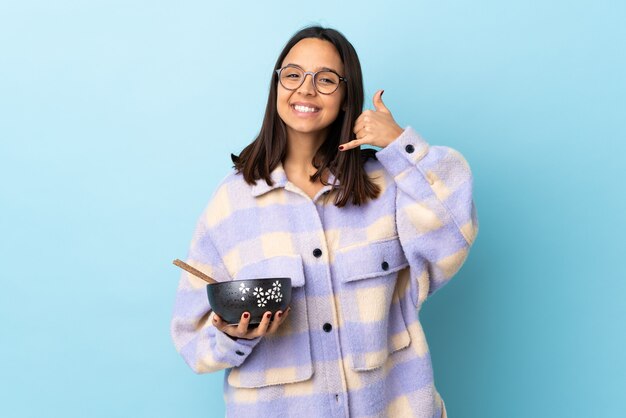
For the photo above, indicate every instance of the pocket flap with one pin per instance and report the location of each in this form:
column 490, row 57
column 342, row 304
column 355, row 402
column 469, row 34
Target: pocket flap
column 277, row 266
column 372, row 259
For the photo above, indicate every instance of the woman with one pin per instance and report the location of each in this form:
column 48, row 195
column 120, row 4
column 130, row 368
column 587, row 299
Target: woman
column 365, row 235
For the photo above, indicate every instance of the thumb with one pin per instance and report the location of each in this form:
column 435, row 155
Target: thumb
column 378, row 102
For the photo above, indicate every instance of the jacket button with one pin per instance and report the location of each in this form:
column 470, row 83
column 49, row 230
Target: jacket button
column 409, row 148
column 317, row 252
column 385, row 265
column 239, row 353
column 327, row 327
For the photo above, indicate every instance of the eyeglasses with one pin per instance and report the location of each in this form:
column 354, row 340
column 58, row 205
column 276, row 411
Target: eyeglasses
column 326, row 82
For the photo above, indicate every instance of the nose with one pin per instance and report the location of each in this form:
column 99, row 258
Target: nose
column 308, row 88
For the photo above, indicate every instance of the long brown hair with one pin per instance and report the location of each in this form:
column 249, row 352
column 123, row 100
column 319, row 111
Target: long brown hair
column 258, row 159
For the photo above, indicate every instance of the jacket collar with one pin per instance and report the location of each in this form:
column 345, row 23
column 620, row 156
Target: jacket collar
column 279, row 177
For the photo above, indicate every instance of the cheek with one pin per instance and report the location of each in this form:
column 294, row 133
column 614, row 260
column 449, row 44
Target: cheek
column 340, row 99
column 282, row 102
column 334, row 107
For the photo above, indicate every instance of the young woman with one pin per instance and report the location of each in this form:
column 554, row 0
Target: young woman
column 365, row 235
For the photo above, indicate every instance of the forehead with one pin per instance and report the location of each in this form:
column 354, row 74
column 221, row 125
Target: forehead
column 313, row 54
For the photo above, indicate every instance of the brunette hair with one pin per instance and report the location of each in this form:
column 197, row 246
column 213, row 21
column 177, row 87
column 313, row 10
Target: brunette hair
column 259, row 158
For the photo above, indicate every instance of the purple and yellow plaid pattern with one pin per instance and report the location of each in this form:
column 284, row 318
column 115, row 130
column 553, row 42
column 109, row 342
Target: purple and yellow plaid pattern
column 379, row 262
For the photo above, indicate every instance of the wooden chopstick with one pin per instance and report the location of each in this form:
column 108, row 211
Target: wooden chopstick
column 194, row 271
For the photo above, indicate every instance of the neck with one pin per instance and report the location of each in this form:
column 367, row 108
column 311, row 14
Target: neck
column 301, row 148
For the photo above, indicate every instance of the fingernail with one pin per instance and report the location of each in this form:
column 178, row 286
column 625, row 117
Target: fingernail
column 341, row 147
column 267, row 315
column 381, row 93
column 279, row 314
column 246, row 315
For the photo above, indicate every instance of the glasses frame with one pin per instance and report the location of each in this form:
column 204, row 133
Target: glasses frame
column 313, row 74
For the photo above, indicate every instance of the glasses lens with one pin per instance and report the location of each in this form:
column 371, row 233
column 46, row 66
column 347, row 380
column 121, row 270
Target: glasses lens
column 291, row 77
column 326, row 82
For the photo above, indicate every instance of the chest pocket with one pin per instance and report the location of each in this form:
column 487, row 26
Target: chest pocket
column 283, row 357
column 372, row 301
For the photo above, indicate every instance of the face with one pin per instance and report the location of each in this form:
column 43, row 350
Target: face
column 311, row 54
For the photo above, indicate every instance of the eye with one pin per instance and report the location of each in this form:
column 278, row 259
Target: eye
column 327, row 81
column 291, row 73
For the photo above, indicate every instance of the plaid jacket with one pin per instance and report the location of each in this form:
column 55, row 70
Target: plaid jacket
column 378, row 264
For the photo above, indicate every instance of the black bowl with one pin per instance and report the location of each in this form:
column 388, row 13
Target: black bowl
column 257, row 296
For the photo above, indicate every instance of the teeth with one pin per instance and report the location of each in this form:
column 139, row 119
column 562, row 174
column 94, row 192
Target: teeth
column 304, row 109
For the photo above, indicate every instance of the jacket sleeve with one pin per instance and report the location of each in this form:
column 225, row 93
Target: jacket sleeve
column 435, row 212
column 204, row 348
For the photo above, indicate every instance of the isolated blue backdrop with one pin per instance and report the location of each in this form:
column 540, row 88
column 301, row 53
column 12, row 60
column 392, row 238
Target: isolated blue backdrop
column 117, row 119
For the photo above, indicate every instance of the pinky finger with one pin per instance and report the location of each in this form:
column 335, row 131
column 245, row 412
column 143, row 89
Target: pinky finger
column 278, row 319
column 349, row 145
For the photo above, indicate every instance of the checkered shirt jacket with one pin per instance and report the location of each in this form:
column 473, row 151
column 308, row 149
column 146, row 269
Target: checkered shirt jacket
column 352, row 345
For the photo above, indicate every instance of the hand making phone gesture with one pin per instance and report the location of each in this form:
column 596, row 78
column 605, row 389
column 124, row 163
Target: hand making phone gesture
column 374, row 127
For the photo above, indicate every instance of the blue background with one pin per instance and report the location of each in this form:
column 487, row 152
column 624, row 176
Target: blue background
column 117, row 120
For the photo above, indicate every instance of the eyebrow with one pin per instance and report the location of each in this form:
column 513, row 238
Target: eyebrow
column 317, row 69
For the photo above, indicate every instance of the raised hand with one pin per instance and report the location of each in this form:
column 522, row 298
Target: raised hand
column 374, row 127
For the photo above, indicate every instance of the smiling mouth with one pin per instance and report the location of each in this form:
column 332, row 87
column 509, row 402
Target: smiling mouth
column 305, row 109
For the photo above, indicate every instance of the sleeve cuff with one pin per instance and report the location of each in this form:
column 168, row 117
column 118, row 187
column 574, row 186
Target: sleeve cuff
column 403, row 152
column 231, row 351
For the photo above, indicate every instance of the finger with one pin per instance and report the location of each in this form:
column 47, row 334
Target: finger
column 275, row 323
column 278, row 319
column 265, row 322
column 217, row 321
column 378, row 102
column 284, row 316
column 359, row 120
column 358, row 126
column 366, row 118
column 221, row 325
column 242, row 327
column 361, row 132
column 351, row 144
